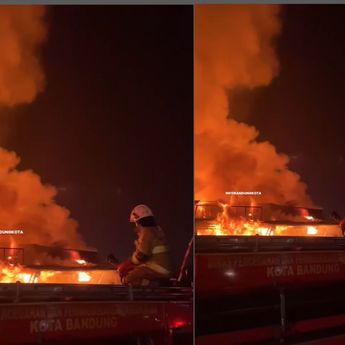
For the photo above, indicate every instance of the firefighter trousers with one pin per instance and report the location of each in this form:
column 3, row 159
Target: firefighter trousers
column 142, row 275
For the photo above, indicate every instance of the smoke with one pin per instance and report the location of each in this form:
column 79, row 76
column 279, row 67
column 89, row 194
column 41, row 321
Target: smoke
column 25, row 202
column 28, row 205
column 22, row 30
column 234, row 48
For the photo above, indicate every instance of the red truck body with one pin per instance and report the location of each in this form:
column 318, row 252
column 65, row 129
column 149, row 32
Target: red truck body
column 270, row 290
column 90, row 314
column 49, row 303
column 243, row 264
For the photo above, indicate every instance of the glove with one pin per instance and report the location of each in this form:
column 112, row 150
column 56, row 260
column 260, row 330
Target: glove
column 124, row 267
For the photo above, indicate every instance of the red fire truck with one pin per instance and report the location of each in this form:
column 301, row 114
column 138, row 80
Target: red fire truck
column 91, row 311
column 285, row 283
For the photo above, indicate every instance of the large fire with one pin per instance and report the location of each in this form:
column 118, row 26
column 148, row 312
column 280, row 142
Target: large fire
column 11, row 272
column 217, row 219
column 28, row 265
column 14, row 273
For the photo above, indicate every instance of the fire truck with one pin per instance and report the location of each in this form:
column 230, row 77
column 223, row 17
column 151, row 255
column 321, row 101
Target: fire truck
column 268, row 274
column 74, row 299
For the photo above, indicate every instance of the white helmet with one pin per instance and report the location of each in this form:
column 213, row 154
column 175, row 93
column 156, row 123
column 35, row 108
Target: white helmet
column 138, row 212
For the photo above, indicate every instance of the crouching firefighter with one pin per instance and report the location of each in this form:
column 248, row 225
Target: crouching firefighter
column 150, row 260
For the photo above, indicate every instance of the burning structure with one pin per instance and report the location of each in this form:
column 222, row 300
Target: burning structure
column 216, row 218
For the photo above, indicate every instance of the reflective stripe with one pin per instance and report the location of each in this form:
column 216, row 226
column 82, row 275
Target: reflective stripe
column 159, row 249
column 155, row 267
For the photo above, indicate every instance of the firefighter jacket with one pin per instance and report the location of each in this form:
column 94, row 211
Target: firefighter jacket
column 151, row 249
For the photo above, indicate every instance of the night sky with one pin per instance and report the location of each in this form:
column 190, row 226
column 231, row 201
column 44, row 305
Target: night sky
column 302, row 111
column 113, row 127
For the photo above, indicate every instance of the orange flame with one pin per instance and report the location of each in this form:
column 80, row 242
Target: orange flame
column 10, row 273
column 250, row 228
column 216, row 219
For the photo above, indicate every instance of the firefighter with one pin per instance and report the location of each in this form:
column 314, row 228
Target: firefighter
column 150, row 260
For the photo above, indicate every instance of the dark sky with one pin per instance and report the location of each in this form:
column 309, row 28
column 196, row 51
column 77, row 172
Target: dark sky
column 303, row 111
column 114, row 126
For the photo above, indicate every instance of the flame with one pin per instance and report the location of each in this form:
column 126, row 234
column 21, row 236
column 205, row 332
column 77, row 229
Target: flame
column 250, row 228
column 12, row 273
column 45, row 275
column 312, row 230
column 84, row 277
column 27, row 277
column 226, row 221
column 236, row 227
